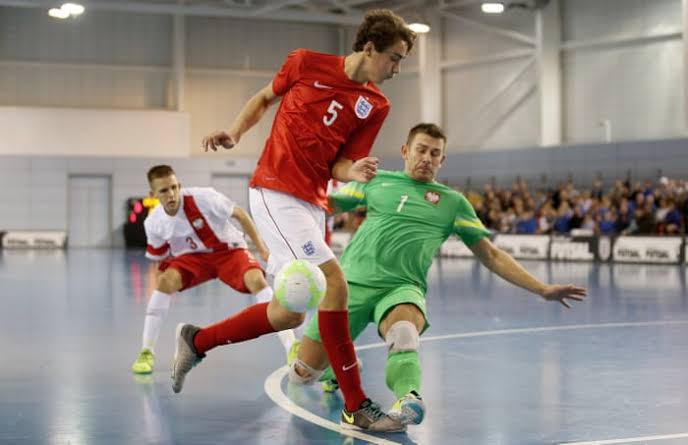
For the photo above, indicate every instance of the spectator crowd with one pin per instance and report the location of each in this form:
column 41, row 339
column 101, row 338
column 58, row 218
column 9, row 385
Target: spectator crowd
column 645, row 208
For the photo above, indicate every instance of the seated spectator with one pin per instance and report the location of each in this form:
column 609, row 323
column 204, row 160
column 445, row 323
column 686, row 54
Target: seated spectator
column 671, row 224
column 662, row 210
column 562, row 224
column 624, row 216
column 508, row 221
column 546, row 219
column 588, row 223
column 644, row 220
column 577, row 218
column 637, row 202
column 607, row 223
column 526, row 222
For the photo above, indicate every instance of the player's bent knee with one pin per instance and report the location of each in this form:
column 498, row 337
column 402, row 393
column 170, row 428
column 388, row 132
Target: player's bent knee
column 294, row 319
column 402, row 337
column 310, row 375
column 255, row 281
column 169, row 281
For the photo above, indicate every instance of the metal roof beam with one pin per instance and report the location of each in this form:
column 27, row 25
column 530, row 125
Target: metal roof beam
column 201, row 10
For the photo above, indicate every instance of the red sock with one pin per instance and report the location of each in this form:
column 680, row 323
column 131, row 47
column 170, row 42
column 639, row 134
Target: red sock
column 336, row 338
column 250, row 323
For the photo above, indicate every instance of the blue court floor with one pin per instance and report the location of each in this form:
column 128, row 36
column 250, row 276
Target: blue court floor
column 500, row 366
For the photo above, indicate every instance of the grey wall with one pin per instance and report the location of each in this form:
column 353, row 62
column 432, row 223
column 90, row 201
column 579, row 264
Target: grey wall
column 125, row 60
column 34, row 190
column 581, row 163
column 489, row 105
column 638, row 86
column 490, row 109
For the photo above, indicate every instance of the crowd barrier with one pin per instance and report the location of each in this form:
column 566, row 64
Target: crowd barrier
column 622, row 249
column 48, row 239
column 586, row 247
column 580, row 247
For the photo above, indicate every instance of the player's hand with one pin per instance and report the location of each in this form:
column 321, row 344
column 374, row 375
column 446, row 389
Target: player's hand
column 364, row 169
column 219, row 139
column 561, row 293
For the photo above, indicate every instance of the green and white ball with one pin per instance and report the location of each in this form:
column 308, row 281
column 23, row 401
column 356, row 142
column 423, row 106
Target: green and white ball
column 300, row 285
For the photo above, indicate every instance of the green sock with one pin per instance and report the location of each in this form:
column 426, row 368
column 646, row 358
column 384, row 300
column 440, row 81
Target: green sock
column 328, row 374
column 402, row 373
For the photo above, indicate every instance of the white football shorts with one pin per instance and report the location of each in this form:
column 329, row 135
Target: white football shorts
column 291, row 228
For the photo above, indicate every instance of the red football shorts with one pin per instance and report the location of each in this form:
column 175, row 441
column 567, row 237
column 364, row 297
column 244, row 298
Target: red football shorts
column 229, row 266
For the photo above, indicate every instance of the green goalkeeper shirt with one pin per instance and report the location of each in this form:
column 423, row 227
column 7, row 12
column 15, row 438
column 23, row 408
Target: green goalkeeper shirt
column 407, row 222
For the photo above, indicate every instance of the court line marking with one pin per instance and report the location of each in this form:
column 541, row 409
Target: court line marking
column 273, row 382
column 629, row 440
column 273, row 388
column 535, row 330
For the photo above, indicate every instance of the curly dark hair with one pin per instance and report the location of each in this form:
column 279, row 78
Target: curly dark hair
column 384, row 28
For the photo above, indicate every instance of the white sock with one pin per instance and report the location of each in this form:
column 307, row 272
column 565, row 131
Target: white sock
column 264, row 296
column 158, row 306
column 287, row 338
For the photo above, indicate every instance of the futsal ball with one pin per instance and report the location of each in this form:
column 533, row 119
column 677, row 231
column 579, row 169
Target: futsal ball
column 300, row 285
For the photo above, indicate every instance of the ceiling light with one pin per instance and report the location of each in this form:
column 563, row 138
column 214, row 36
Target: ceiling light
column 493, row 8
column 420, row 28
column 73, row 9
column 58, row 13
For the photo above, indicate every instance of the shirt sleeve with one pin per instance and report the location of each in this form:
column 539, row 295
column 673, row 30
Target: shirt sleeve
column 467, row 226
column 157, row 249
column 221, row 205
column 350, row 196
column 361, row 140
column 289, row 73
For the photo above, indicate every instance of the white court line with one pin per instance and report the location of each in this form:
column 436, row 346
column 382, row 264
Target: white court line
column 274, row 390
column 533, row 330
column 629, row 440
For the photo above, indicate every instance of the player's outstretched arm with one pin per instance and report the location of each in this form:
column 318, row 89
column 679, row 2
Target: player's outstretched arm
column 350, row 197
column 249, row 116
column 362, row 170
column 511, row 270
column 250, row 229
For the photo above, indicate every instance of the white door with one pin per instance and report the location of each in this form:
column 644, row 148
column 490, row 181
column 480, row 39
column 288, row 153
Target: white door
column 234, row 187
column 89, row 211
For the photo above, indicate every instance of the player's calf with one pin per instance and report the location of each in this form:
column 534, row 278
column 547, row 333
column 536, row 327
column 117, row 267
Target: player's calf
column 281, row 318
column 300, row 373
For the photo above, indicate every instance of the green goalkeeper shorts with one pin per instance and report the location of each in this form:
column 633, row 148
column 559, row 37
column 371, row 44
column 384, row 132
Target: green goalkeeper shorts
column 371, row 305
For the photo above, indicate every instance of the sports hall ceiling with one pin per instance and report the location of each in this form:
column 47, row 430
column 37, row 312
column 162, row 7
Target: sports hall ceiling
column 345, row 12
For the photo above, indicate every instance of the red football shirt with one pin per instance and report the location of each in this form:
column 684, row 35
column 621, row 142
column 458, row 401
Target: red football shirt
column 323, row 114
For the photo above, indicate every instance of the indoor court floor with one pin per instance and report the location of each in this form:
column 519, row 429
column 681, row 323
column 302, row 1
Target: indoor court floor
column 500, row 366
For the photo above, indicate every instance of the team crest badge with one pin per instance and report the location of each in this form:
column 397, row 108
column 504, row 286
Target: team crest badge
column 363, row 107
column 308, row 248
column 198, row 223
column 432, row 197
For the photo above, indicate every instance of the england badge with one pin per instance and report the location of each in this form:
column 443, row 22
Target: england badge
column 363, row 107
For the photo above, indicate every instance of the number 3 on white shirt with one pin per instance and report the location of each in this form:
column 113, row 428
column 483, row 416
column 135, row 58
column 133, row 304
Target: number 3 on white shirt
column 329, row 118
